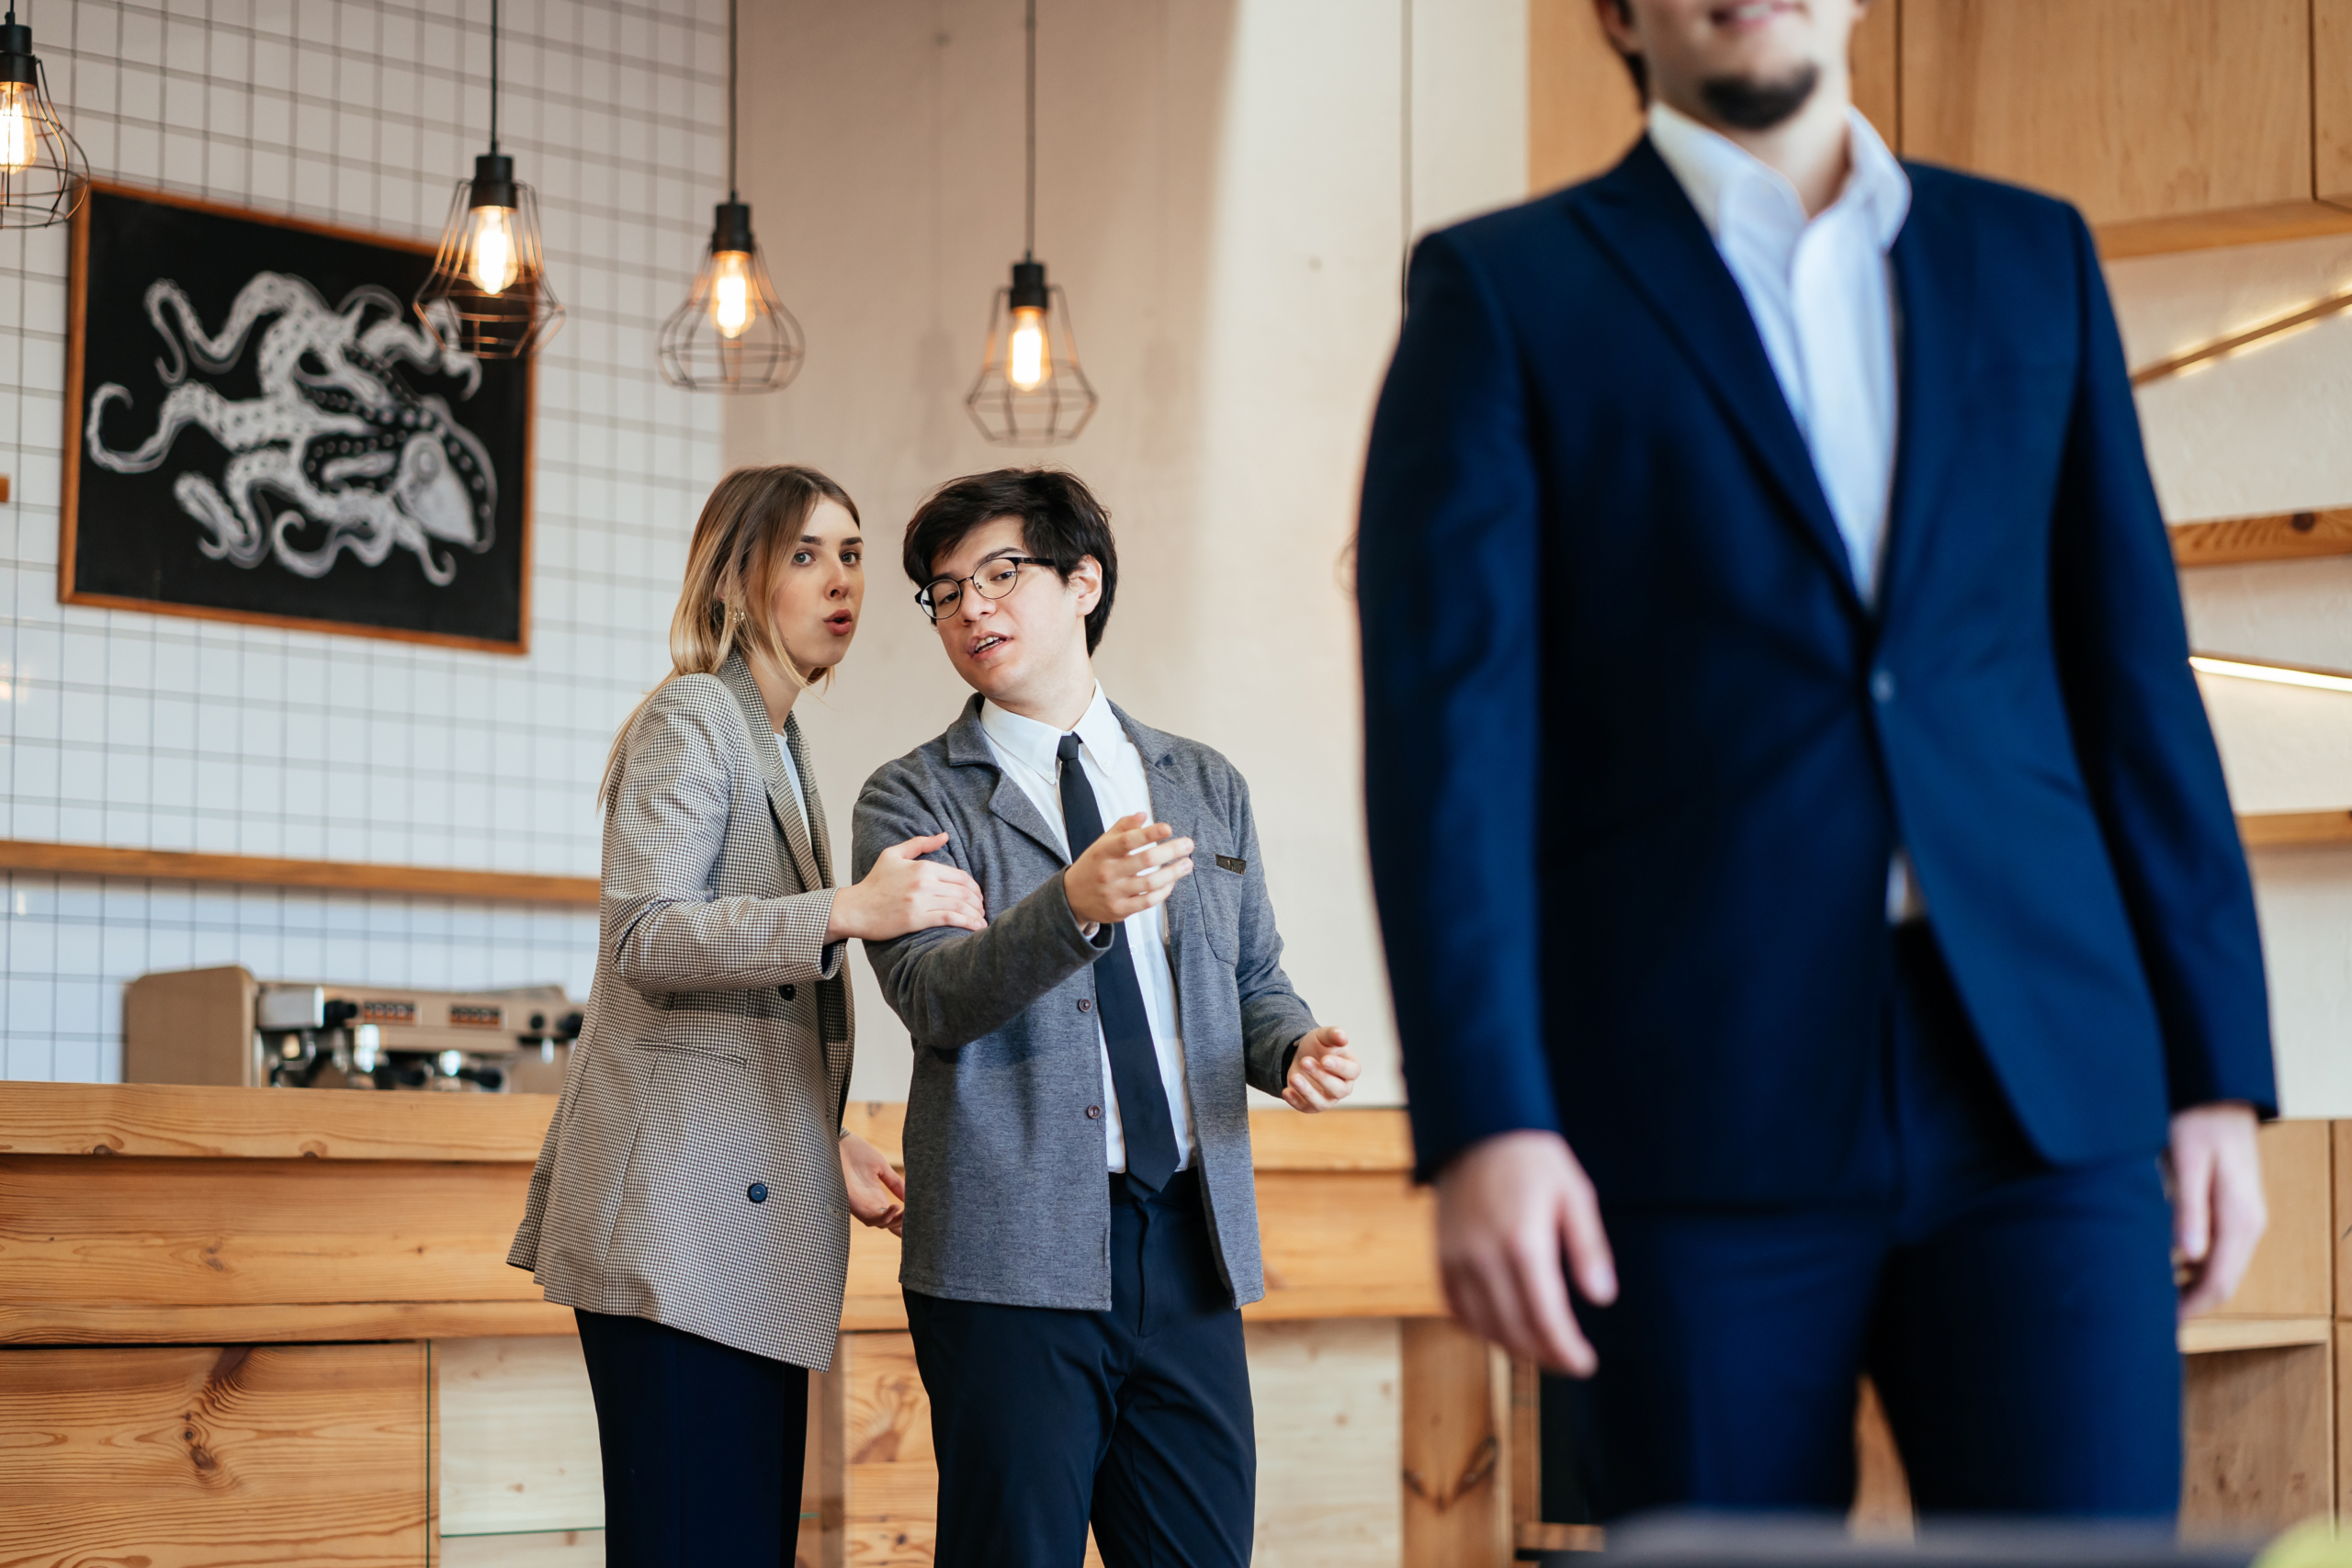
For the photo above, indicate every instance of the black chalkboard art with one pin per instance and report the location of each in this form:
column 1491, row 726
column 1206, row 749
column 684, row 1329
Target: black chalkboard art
column 259, row 428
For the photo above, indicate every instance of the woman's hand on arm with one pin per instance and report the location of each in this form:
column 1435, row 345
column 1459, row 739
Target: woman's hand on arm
column 902, row 893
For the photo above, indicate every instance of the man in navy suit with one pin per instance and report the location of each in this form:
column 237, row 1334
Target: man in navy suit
column 1788, row 790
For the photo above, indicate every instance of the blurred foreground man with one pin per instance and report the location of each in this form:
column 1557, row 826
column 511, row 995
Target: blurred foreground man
column 1789, row 792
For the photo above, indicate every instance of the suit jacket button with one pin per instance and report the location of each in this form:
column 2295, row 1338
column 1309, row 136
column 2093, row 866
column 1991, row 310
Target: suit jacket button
column 1882, row 685
column 786, row 992
column 1085, row 1006
column 1092, row 1112
column 757, row 1192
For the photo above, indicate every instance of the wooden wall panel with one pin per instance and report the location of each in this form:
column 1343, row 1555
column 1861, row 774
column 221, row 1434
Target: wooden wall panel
column 1455, row 1422
column 1582, row 112
column 2343, row 1222
column 2130, row 108
column 1877, row 64
column 517, row 1426
column 237, row 1233
column 2342, row 1422
column 2289, row 1276
column 1327, row 1397
column 2332, row 101
column 194, row 1457
column 552, row 1548
column 2259, row 1440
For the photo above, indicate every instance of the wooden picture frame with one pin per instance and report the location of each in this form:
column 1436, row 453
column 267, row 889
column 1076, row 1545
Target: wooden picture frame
column 383, row 496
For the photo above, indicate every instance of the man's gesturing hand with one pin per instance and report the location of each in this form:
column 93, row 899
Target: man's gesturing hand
column 1507, row 1209
column 1322, row 1073
column 2218, row 1211
column 902, row 893
column 1126, row 871
column 877, row 1195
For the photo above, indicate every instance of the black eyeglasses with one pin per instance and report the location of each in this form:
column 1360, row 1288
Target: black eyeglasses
column 995, row 579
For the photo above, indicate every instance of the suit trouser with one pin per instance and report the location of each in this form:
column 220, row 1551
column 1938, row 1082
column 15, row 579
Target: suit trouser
column 702, row 1444
column 2017, row 1318
column 1137, row 1419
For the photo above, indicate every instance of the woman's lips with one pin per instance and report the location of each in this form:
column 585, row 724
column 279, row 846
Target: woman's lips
column 841, row 626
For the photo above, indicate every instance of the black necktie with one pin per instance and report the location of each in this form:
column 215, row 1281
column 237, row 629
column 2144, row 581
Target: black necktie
column 1118, row 1002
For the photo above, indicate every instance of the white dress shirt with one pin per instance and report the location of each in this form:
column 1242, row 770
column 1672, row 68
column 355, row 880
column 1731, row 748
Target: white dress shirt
column 799, row 795
column 1028, row 751
column 1822, row 295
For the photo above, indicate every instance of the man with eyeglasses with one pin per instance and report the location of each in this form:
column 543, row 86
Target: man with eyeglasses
column 1080, row 1338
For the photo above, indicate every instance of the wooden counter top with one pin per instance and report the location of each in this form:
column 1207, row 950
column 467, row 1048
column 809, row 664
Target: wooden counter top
column 166, row 1213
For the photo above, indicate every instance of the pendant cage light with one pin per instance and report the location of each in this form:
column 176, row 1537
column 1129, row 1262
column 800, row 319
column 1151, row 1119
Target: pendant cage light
column 489, row 295
column 1031, row 392
column 43, row 176
column 732, row 334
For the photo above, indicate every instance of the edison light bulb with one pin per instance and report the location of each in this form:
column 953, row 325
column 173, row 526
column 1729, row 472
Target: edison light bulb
column 491, row 255
column 18, row 145
column 730, row 292
column 1027, row 363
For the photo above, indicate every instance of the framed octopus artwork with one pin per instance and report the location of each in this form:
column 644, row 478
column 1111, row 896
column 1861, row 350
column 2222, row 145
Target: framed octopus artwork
column 259, row 428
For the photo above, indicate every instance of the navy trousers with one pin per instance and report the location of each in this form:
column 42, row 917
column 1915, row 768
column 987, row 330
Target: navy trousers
column 1137, row 1419
column 702, row 1445
column 2017, row 1319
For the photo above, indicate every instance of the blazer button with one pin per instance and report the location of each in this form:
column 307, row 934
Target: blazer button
column 786, row 992
column 757, row 1192
column 1882, row 685
column 1084, row 1005
column 1094, row 1112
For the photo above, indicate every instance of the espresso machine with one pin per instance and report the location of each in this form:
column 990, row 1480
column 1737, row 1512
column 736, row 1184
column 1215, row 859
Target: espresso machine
column 223, row 1026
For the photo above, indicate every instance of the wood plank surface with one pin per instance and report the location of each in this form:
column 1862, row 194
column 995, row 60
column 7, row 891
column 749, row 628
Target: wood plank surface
column 2129, row 108
column 249, row 1232
column 2342, row 1422
column 518, row 1429
column 1327, row 1398
column 199, row 1457
column 2263, row 225
column 2294, row 830
column 2291, row 1274
column 189, row 1121
column 1882, row 1508
column 1346, row 1244
column 1454, row 1425
column 264, row 870
column 2260, row 1452
column 2286, row 535
column 2209, row 1335
column 555, row 1549
column 2343, row 1222
column 274, row 1323
column 2332, row 98
column 1582, row 111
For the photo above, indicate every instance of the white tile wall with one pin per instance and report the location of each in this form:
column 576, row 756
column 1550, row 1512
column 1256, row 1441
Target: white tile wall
column 155, row 732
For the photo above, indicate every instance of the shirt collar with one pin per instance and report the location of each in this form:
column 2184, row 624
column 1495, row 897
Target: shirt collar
column 1722, row 178
column 1038, row 746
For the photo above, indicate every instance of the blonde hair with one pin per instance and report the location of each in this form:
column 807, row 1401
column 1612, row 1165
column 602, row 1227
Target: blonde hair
column 747, row 532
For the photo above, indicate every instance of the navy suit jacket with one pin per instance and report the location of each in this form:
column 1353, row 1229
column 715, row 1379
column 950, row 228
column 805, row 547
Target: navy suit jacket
column 1637, row 751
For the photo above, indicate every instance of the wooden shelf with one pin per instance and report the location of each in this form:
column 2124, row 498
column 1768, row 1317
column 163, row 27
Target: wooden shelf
column 2204, row 1336
column 2294, row 830
column 2228, row 226
column 189, row 1121
column 2286, row 535
column 262, row 871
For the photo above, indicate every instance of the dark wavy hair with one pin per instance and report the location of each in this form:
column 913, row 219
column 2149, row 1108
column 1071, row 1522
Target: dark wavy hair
column 1062, row 522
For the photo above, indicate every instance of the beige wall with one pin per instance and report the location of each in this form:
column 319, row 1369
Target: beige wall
column 2269, row 430
column 1222, row 192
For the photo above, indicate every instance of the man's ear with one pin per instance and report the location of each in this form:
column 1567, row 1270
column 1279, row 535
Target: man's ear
column 1617, row 25
column 1087, row 578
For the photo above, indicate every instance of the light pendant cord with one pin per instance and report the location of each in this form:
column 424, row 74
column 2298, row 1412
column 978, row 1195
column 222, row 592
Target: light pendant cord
column 493, row 75
column 731, row 194
column 1029, row 222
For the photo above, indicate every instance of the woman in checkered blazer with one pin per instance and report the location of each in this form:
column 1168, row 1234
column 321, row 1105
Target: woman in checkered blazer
column 692, row 1199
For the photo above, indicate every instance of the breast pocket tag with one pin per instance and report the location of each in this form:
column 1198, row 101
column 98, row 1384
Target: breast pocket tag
column 1229, row 862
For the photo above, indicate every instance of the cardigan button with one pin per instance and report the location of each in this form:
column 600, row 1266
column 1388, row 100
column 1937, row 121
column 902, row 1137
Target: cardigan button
column 1084, row 1005
column 1092, row 1112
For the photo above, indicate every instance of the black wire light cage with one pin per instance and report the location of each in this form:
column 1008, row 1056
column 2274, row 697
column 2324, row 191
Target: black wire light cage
column 43, row 176
column 489, row 296
column 732, row 334
column 1032, row 390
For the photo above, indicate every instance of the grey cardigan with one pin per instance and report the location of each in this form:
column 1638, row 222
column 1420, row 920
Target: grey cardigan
column 1006, row 1195
column 692, row 1173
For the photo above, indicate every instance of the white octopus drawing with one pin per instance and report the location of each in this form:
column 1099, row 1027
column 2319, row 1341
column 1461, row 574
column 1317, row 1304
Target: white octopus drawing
column 336, row 441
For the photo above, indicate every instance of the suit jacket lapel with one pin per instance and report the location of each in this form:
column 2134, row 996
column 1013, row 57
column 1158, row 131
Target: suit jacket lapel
column 781, row 804
column 1935, row 294
column 967, row 746
column 1641, row 217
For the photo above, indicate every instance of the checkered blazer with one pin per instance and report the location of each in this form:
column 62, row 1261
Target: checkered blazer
column 692, row 1175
